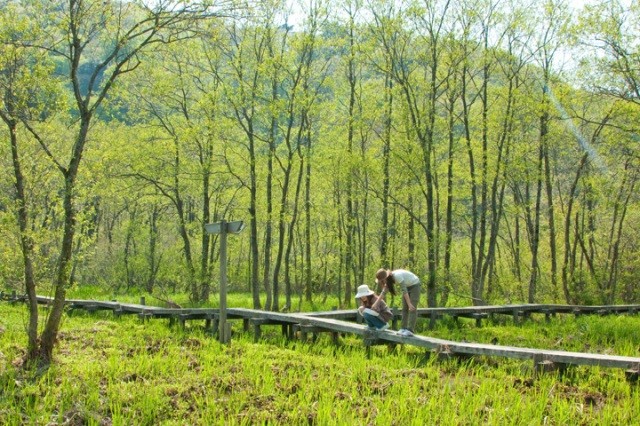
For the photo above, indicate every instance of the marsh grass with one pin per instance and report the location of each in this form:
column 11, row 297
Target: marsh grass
column 121, row 371
column 614, row 334
column 234, row 299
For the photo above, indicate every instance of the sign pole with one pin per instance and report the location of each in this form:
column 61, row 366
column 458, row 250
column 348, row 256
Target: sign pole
column 222, row 324
column 223, row 228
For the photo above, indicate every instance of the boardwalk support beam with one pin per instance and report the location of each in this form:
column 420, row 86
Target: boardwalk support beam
column 631, row 375
column 479, row 318
column 541, row 366
column 445, row 353
column 370, row 338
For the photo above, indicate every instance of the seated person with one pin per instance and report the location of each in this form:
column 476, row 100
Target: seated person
column 373, row 308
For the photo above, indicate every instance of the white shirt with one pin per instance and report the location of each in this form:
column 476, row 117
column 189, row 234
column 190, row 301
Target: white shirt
column 404, row 278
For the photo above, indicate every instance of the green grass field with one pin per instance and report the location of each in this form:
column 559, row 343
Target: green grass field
column 110, row 371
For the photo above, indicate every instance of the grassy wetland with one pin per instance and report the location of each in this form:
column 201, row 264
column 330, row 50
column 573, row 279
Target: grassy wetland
column 120, row 371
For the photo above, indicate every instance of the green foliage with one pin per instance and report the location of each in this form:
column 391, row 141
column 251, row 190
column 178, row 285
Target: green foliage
column 186, row 116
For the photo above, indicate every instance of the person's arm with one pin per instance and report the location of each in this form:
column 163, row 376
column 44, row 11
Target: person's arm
column 402, row 280
column 380, row 297
column 408, row 300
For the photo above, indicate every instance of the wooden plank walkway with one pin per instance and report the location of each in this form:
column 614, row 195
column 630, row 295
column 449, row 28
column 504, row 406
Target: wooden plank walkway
column 481, row 312
column 451, row 347
column 343, row 321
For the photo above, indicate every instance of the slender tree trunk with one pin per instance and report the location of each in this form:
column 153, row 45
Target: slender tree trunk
column 473, row 248
column 484, row 173
column 307, row 227
column 534, row 230
column 350, row 197
column 50, row 332
column 498, row 186
column 282, row 230
column 411, row 237
column 386, row 154
column 253, row 202
column 516, row 250
column 451, row 118
column 152, row 259
column 291, row 230
column 544, row 135
column 26, row 242
column 568, row 228
column 615, row 236
column 128, row 243
column 178, row 200
column 268, row 232
column 205, row 241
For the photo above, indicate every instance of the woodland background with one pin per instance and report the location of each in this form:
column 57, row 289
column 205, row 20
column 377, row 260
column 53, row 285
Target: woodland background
column 489, row 146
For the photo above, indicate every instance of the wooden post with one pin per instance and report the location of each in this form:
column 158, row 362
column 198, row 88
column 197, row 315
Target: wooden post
column 142, row 315
column 257, row 331
column 394, row 321
column 222, row 324
column 538, row 359
column 516, row 317
column 302, row 330
column 117, row 310
column 369, row 339
column 478, row 317
column 632, row 375
column 443, row 353
column 432, row 320
column 223, row 228
column 541, row 366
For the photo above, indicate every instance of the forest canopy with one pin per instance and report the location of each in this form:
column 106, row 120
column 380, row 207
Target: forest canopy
column 489, row 146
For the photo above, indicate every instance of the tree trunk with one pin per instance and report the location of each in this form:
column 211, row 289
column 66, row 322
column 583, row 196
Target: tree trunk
column 253, row 202
column 153, row 261
column 386, row 154
column 534, row 230
column 50, row 332
column 26, row 242
column 568, row 247
column 307, row 220
column 544, row 134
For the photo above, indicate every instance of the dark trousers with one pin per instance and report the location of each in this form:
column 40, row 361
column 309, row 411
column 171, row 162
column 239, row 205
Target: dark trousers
column 409, row 318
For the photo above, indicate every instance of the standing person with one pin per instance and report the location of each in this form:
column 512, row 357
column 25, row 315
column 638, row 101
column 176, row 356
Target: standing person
column 373, row 308
column 410, row 286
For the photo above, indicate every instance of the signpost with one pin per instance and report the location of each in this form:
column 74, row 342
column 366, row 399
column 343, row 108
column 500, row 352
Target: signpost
column 223, row 228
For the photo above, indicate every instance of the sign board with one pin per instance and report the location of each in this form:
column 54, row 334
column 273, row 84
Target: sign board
column 231, row 227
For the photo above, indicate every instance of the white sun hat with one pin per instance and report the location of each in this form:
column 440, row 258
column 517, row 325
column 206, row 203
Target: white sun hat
column 363, row 290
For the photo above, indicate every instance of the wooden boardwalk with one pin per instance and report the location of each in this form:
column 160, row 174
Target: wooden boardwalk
column 345, row 322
